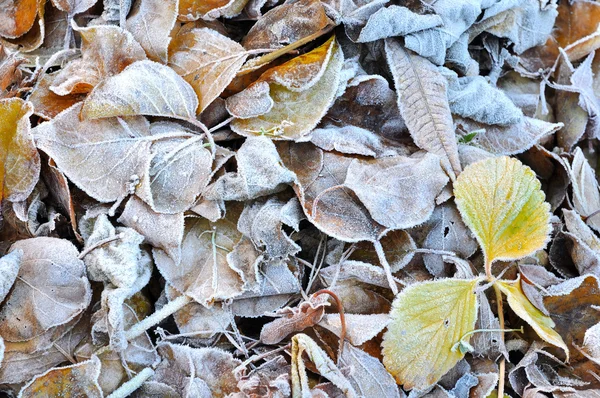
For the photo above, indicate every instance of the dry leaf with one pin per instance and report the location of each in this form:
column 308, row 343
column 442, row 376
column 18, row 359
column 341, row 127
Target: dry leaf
column 586, row 193
column 423, row 103
column 73, row 7
column 17, row 17
column 9, row 269
column 428, row 320
column 191, row 10
column 19, row 160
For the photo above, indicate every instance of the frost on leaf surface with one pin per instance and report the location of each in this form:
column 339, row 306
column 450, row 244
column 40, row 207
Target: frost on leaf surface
column 428, row 320
column 500, row 200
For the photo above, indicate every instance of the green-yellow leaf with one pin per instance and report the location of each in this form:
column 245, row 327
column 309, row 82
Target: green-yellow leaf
column 501, row 201
column 520, row 304
column 428, row 319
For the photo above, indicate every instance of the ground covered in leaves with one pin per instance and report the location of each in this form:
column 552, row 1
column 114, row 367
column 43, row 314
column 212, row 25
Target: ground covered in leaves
column 269, row 198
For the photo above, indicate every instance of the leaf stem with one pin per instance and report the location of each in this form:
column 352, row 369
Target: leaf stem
column 127, row 388
column 170, row 308
column 342, row 317
column 502, row 365
column 386, row 266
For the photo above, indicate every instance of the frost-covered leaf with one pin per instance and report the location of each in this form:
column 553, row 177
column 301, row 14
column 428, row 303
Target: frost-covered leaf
column 353, row 141
column 327, row 203
column 79, row 380
column 446, row 231
column 508, row 140
column 500, row 200
column 423, row 103
column 162, row 231
column 150, row 23
column 367, row 374
column 205, row 273
column 19, row 160
column 191, row 10
column 520, row 304
column 73, row 7
column 473, row 97
column 114, row 154
column 210, row 369
column 428, row 320
column 302, row 344
column 360, row 328
column 262, row 221
column 396, row 21
column 586, row 193
column 179, row 169
column 397, row 245
column 207, row 60
column 17, row 17
column 105, row 52
column 143, row 88
column 507, row 19
column 259, row 172
column 399, row 192
column 585, row 245
column 457, row 17
column 302, row 90
column 46, row 103
column 9, row 269
column 51, row 289
column 286, row 24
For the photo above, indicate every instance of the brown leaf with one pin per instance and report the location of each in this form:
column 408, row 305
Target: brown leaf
column 423, row 103
column 150, row 23
column 9, row 269
column 586, row 192
column 191, row 10
column 46, row 103
column 106, row 51
column 19, row 160
column 17, row 17
column 73, row 7
column 42, row 300
column 207, row 60
column 71, row 381
column 287, row 24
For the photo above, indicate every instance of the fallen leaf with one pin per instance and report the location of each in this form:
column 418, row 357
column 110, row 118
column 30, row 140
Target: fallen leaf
column 396, row 21
column 150, row 22
column 19, row 160
column 9, row 269
column 501, row 202
column 71, row 381
column 17, row 17
column 207, row 60
column 191, row 10
column 520, row 304
column 73, row 7
column 586, row 193
column 428, row 320
column 423, row 103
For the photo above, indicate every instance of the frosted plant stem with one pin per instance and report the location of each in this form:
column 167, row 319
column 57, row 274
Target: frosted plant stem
column 133, row 384
column 386, row 267
column 170, row 308
column 502, row 364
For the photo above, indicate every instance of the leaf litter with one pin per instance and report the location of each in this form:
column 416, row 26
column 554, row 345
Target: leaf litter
column 312, row 198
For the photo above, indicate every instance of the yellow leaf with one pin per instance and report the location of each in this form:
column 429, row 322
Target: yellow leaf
column 428, row 319
column 19, row 159
column 520, row 304
column 288, row 101
column 501, row 201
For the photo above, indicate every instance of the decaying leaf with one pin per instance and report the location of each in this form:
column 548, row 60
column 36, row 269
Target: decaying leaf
column 423, row 103
column 428, row 321
column 586, row 193
column 17, row 17
column 19, row 160
column 9, row 269
column 301, row 90
column 500, row 200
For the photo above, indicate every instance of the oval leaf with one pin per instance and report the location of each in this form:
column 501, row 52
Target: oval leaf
column 428, row 319
column 500, row 200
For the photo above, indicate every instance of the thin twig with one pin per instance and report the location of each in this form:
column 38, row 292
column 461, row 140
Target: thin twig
column 342, row 317
column 96, row 245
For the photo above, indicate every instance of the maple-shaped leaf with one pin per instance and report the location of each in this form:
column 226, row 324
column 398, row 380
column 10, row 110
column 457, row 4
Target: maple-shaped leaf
column 143, row 88
column 299, row 93
column 207, row 60
column 429, row 319
column 150, row 23
column 19, row 159
column 502, row 203
column 106, row 51
column 423, row 103
column 79, row 380
column 520, row 304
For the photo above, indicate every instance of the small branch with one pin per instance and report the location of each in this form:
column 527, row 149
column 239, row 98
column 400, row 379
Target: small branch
column 342, row 317
column 170, row 308
column 386, row 266
column 96, row 245
column 130, row 386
